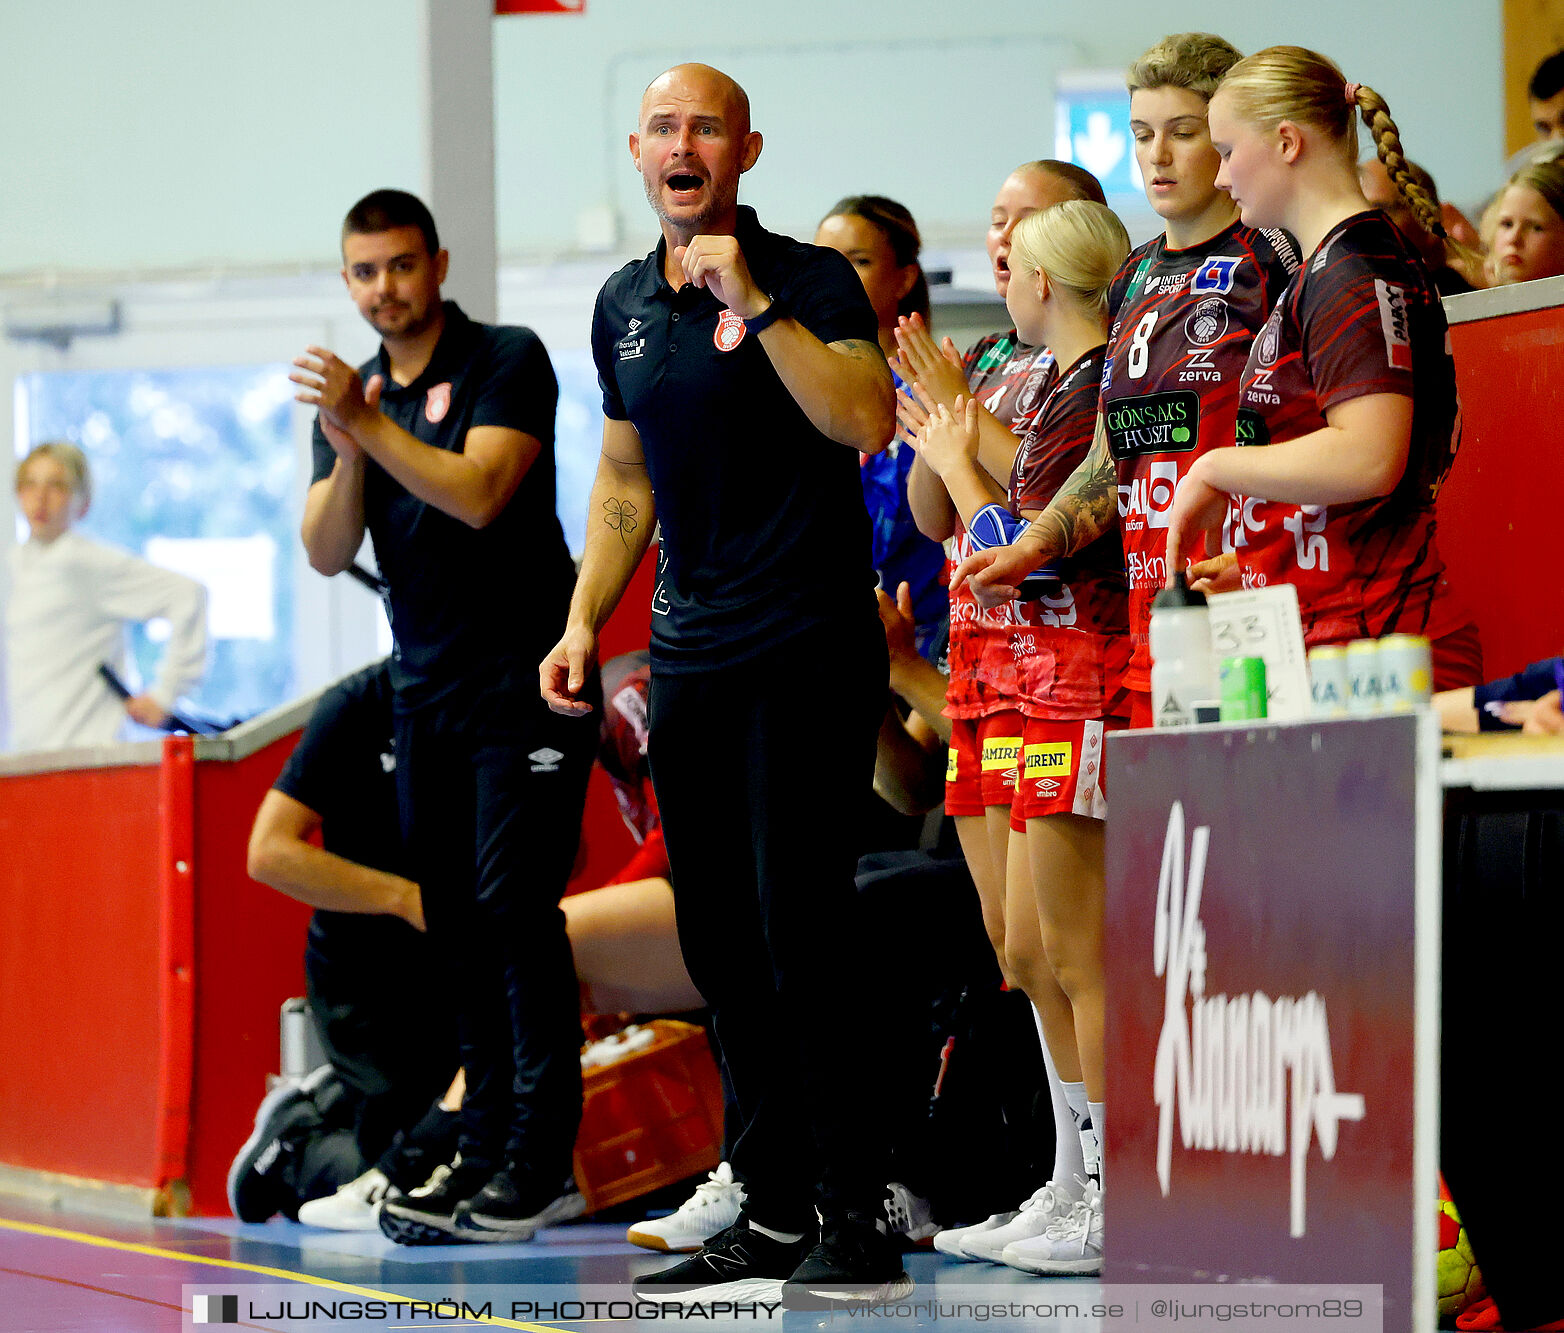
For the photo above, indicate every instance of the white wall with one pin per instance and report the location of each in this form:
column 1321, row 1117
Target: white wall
column 181, row 133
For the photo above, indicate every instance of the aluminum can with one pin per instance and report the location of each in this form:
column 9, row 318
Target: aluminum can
column 1242, row 686
column 1328, row 682
column 1364, row 689
column 1406, row 672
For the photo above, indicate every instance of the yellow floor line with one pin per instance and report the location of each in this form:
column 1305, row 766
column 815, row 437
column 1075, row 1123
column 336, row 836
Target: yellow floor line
column 287, row 1275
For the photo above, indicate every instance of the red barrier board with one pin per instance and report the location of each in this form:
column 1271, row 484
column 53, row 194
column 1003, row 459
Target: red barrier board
column 1262, row 1030
column 142, row 970
column 79, row 948
column 1499, row 509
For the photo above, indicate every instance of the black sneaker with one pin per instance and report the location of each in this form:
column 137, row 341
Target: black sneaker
column 434, row 1140
column 511, row 1207
column 260, row 1179
column 857, row 1262
column 427, row 1215
column 737, row 1264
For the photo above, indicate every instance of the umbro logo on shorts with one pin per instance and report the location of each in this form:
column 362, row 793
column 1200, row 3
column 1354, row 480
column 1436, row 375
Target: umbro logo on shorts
column 545, row 760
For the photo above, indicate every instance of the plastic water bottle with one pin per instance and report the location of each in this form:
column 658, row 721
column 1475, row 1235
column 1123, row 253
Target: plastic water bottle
column 1183, row 668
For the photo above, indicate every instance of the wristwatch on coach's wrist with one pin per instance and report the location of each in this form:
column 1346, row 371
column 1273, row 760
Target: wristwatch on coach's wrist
column 767, row 317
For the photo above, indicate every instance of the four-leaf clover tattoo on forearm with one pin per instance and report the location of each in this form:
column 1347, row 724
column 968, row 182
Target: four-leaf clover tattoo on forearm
column 622, row 516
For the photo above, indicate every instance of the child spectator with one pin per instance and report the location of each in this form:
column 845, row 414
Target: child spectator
column 1524, row 228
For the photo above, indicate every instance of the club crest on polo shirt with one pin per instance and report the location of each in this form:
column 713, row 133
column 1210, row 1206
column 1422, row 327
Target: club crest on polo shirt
column 437, row 403
column 730, row 332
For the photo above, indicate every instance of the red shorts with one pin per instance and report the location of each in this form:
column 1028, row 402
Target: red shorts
column 1064, row 771
column 984, row 760
column 1140, row 709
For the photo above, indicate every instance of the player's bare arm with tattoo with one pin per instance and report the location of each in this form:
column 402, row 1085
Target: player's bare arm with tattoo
column 1083, row 509
column 620, row 518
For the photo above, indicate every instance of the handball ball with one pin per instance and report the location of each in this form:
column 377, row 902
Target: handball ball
column 1460, row 1280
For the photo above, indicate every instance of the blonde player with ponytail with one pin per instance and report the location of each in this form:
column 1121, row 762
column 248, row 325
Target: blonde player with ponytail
column 1349, row 385
column 1069, row 648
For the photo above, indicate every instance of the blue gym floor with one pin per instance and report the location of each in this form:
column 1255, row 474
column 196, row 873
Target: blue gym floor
column 70, row 1273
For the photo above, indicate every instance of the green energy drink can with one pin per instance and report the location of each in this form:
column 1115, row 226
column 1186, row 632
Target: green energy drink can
column 1328, row 682
column 1406, row 672
column 1242, row 684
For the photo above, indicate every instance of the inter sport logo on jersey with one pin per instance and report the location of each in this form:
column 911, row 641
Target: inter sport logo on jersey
column 1215, row 275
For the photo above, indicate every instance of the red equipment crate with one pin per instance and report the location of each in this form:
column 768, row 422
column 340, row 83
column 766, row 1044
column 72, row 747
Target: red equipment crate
column 651, row 1118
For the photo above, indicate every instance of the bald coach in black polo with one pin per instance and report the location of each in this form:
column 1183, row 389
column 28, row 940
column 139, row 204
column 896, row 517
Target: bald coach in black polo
column 741, row 375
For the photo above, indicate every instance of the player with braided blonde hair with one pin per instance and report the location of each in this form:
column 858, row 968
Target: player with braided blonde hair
column 1350, row 384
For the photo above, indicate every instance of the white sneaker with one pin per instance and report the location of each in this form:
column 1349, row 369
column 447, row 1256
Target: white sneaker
column 1073, row 1244
column 908, row 1215
column 351, row 1208
column 951, row 1239
column 1046, row 1207
column 714, row 1206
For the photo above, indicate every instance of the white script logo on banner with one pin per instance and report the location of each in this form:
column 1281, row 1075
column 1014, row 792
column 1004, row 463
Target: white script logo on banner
column 1225, row 1059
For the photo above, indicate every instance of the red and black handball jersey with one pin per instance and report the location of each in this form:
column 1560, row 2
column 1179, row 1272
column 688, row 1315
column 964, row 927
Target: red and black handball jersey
column 1012, row 381
column 1183, row 321
column 1070, row 649
column 1363, row 317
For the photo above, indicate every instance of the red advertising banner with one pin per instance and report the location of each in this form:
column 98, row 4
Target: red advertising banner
column 1260, row 930
column 540, row 6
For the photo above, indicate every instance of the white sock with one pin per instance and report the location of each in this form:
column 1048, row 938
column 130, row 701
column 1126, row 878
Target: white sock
column 1085, row 1131
column 1067, row 1145
column 1099, row 1114
column 787, row 1237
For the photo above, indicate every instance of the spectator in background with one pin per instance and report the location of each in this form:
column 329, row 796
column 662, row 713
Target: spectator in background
column 1545, row 100
column 1524, row 227
column 68, row 605
column 880, row 240
column 1453, row 271
column 1545, row 95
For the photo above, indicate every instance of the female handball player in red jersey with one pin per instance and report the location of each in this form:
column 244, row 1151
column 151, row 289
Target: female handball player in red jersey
column 1069, row 649
column 1011, row 379
column 1350, row 386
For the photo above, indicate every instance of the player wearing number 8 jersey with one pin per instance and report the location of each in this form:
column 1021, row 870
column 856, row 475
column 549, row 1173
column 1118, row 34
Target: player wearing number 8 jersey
column 1350, row 386
column 1184, row 308
column 1170, row 388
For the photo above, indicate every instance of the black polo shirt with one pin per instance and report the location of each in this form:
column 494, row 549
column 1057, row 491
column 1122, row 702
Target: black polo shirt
column 470, row 608
column 764, row 531
column 344, row 769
